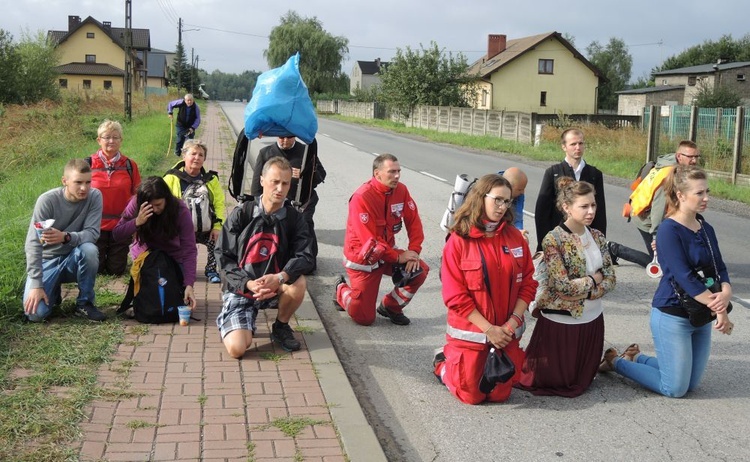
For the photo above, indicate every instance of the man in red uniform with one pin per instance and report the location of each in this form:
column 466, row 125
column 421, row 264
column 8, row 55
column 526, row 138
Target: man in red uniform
column 377, row 211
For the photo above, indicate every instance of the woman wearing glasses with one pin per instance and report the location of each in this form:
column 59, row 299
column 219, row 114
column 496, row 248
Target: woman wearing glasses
column 487, row 276
column 117, row 177
column 562, row 357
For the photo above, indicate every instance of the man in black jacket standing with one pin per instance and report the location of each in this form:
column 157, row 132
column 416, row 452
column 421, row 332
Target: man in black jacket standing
column 546, row 215
column 307, row 174
column 188, row 120
column 264, row 249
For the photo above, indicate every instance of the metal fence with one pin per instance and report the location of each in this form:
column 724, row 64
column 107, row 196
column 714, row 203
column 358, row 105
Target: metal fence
column 720, row 133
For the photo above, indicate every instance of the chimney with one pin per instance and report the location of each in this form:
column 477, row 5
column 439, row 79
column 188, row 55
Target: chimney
column 107, row 26
column 495, row 44
column 73, row 22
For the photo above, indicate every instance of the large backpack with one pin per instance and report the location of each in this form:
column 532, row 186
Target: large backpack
column 260, row 255
column 198, row 198
column 156, row 288
column 461, row 188
column 627, row 208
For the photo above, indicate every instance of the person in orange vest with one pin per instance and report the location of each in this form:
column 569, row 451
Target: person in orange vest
column 648, row 202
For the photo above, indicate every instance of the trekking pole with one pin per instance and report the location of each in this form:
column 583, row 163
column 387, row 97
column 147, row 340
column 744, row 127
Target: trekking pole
column 171, row 135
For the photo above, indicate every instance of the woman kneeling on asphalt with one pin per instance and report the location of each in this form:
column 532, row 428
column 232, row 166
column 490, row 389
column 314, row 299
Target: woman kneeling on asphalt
column 487, row 275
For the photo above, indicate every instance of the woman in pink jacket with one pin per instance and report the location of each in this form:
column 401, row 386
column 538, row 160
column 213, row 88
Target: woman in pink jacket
column 487, row 281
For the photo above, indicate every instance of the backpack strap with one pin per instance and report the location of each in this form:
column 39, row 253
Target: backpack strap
column 128, row 166
column 127, row 302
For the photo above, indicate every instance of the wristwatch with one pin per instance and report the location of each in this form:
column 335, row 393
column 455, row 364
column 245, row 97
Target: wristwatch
column 281, row 279
column 66, row 239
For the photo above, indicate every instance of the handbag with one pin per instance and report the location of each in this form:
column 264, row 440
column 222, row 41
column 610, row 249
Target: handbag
column 698, row 313
column 498, row 368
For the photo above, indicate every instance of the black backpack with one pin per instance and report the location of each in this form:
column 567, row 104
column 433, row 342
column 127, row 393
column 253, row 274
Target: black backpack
column 160, row 292
column 261, row 253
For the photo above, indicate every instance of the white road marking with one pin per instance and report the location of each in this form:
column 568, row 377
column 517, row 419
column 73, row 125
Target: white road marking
column 348, row 143
column 434, row 177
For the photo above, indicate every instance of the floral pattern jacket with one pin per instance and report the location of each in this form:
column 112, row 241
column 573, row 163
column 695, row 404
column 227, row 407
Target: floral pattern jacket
column 566, row 271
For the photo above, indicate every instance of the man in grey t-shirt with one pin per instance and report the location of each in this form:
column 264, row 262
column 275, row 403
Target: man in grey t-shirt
column 65, row 251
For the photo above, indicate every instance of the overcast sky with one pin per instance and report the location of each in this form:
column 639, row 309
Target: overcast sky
column 233, row 33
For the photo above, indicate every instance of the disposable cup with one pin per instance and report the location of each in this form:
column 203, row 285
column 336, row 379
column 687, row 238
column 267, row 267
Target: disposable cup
column 41, row 227
column 184, row 313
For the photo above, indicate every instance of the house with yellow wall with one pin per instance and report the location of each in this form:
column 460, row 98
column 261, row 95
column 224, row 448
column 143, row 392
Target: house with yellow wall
column 542, row 73
column 92, row 56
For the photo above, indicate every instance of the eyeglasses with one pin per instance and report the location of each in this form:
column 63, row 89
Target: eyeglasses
column 110, row 138
column 697, row 156
column 500, row 201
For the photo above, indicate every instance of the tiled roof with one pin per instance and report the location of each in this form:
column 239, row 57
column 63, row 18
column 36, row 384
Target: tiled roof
column 703, row 68
column 141, row 37
column 89, row 69
column 517, row 47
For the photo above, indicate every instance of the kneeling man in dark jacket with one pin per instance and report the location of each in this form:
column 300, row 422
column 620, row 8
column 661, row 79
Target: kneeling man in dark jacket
column 264, row 249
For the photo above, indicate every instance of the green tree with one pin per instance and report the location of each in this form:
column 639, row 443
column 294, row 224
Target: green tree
column 227, row 87
column 709, row 52
column 709, row 96
column 36, row 74
column 321, row 54
column 8, row 65
column 427, row 77
column 615, row 62
column 179, row 72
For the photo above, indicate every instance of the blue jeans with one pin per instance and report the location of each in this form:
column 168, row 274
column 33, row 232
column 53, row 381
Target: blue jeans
column 80, row 266
column 682, row 351
column 183, row 133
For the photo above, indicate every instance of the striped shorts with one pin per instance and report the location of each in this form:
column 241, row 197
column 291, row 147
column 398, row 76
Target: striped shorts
column 239, row 312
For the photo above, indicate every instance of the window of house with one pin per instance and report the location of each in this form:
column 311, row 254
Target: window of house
column 543, row 98
column 87, row 84
column 63, row 83
column 664, row 81
column 485, row 95
column 546, row 66
column 107, row 84
column 89, row 35
column 90, row 58
column 691, row 81
column 740, row 77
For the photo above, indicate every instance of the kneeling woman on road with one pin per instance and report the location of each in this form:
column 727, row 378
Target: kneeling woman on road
column 160, row 221
column 686, row 244
column 487, row 277
column 562, row 357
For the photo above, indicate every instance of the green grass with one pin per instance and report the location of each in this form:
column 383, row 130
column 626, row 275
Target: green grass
column 618, row 153
column 292, row 426
column 48, row 371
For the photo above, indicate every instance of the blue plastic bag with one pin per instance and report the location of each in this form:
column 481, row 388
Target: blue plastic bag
column 281, row 105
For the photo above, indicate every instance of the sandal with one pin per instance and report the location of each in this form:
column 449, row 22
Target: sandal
column 631, row 352
column 607, row 364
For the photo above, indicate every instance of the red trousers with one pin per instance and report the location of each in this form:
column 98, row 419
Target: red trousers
column 464, row 366
column 358, row 297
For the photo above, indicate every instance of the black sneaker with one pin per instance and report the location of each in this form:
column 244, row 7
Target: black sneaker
column 613, row 249
column 89, row 311
column 340, row 280
column 285, row 336
column 399, row 319
column 439, row 358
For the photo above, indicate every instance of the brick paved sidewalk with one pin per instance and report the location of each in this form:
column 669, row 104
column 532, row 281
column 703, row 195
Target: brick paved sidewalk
column 179, row 396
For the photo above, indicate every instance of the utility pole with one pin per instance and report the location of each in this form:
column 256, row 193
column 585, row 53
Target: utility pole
column 192, row 68
column 128, row 77
column 179, row 61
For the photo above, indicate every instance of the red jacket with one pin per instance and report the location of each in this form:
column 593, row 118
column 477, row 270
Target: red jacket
column 117, row 188
column 377, row 211
column 510, row 270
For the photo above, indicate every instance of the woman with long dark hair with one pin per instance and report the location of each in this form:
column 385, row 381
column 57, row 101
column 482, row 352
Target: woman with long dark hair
column 689, row 255
column 160, row 221
column 487, row 275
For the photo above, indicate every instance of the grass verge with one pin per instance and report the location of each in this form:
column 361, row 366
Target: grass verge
column 48, row 371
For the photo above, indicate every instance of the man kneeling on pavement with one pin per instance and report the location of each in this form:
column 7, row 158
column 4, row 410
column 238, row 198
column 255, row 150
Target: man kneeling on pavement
column 264, row 249
column 377, row 212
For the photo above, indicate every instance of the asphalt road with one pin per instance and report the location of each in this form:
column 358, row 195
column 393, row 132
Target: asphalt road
column 416, row 418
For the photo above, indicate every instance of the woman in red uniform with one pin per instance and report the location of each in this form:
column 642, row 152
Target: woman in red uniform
column 117, row 177
column 487, row 285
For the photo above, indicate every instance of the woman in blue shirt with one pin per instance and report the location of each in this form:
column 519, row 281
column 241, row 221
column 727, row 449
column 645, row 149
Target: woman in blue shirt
column 685, row 244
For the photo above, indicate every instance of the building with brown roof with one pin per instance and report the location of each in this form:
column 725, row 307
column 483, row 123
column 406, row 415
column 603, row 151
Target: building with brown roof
column 541, row 73
column 92, row 54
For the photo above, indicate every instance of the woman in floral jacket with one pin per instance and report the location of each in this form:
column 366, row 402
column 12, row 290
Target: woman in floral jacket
column 562, row 357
